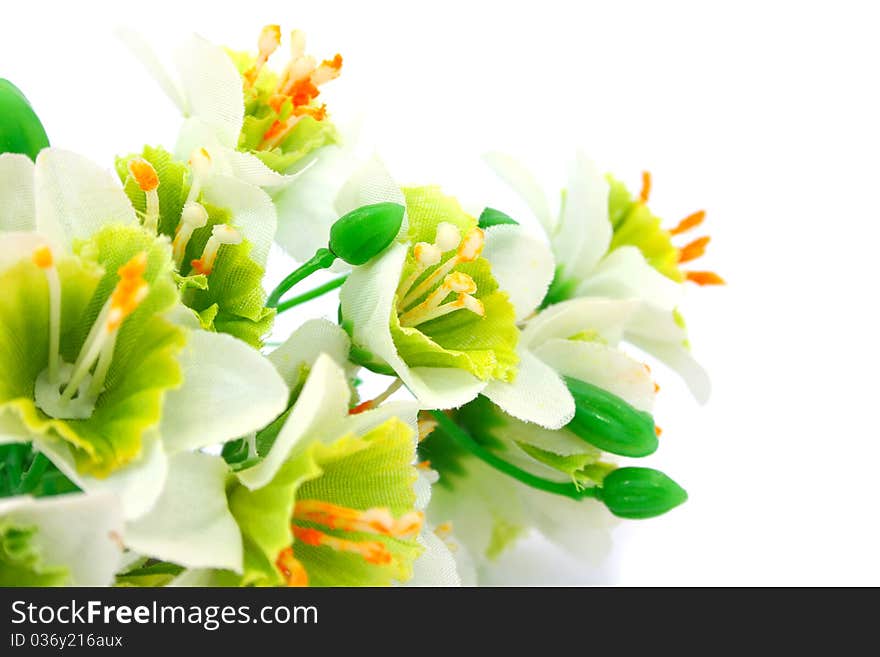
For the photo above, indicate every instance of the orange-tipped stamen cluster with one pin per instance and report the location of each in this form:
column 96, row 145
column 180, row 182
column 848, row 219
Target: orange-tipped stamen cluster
column 299, row 84
column 291, row 568
column 443, row 280
column 378, row 521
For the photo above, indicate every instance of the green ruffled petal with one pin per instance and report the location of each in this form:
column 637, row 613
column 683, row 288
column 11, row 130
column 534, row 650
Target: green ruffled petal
column 20, row 560
column 144, row 363
column 306, row 137
column 371, row 471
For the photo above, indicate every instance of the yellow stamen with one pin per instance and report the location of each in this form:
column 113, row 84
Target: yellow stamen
column 468, row 250
column 426, row 426
column 291, row 568
column 430, row 308
column 42, row 257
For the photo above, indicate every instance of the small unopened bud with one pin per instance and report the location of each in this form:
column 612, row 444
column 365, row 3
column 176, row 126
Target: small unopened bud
column 608, row 422
column 638, row 493
column 362, row 234
column 492, row 217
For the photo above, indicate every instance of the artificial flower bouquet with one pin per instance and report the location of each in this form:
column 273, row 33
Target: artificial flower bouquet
column 151, row 434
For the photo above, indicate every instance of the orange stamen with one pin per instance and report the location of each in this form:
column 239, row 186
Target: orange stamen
column 129, row 291
column 424, row 465
column 689, row 222
column 372, row 521
column 704, row 278
column 693, row 250
column 658, row 431
column 645, row 194
column 372, row 552
column 291, row 568
column 144, row 174
column 42, row 257
column 360, row 408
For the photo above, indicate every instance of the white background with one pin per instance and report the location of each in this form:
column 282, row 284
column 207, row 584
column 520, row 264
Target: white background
column 766, row 114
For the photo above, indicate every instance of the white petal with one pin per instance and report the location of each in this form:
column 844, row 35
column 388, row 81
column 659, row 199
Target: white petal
column 369, row 183
column 250, row 169
column 143, row 52
column 361, row 423
column 522, row 265
column 195, row 133
column 307, row 207
column 17, row 211
column 321, row 405
column 523, row 183
column 624, row 274
column 15, row 247
column 584, row 232
column 656, row 332
column 75, row 197
column 367, row 297
column 537, row 394
column 252, row 210
column 302, row 348
column 607, row 317
column 137, row 486
column 81, row 532
column 190, row 524
column 435, row 566
column 212, row 87
column 229, row 390
column 603, row 366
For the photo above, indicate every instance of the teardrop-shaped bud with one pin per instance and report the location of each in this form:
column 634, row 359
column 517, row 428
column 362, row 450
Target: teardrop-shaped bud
column 362, row 234
column 638, row 493
column 493, row 217
column 608, row 422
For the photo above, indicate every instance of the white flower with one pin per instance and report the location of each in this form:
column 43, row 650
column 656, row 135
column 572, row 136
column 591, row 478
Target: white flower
column 580, row 239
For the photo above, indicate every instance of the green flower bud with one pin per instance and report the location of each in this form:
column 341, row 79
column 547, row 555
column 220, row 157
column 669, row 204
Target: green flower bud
column 638, row 493
column 20, row 128
column 493, row 217
column 606, row 421
column 365, row 232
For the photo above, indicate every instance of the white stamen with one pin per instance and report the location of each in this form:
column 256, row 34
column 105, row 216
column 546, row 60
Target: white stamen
column 96, row 386
column 430, row 308
column 151, row 217
column 44, row 260
column 200, row 164
column 448, row 236
column 221, row 234
column 426, row 255
column 193, row 216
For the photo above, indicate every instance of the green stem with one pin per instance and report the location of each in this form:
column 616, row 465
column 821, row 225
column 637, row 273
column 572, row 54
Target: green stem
column 466, row 442
column 32, row 478
column 311, row 294
column 322, row 259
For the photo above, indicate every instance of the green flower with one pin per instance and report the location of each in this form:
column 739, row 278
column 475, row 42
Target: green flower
column 210, row 220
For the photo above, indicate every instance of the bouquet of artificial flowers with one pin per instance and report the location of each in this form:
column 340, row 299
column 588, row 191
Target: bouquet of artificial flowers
column 150, row 434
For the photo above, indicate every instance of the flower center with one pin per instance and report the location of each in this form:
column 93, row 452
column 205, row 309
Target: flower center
column 377, row 521
column 692, row 250
column 298, row 86
column 69, row 391
column 442, row 281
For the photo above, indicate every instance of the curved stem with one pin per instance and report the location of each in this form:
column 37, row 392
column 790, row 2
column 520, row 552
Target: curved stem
column 322, row 259
column 311, row 294
column 32, row 477
column 466, row 442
